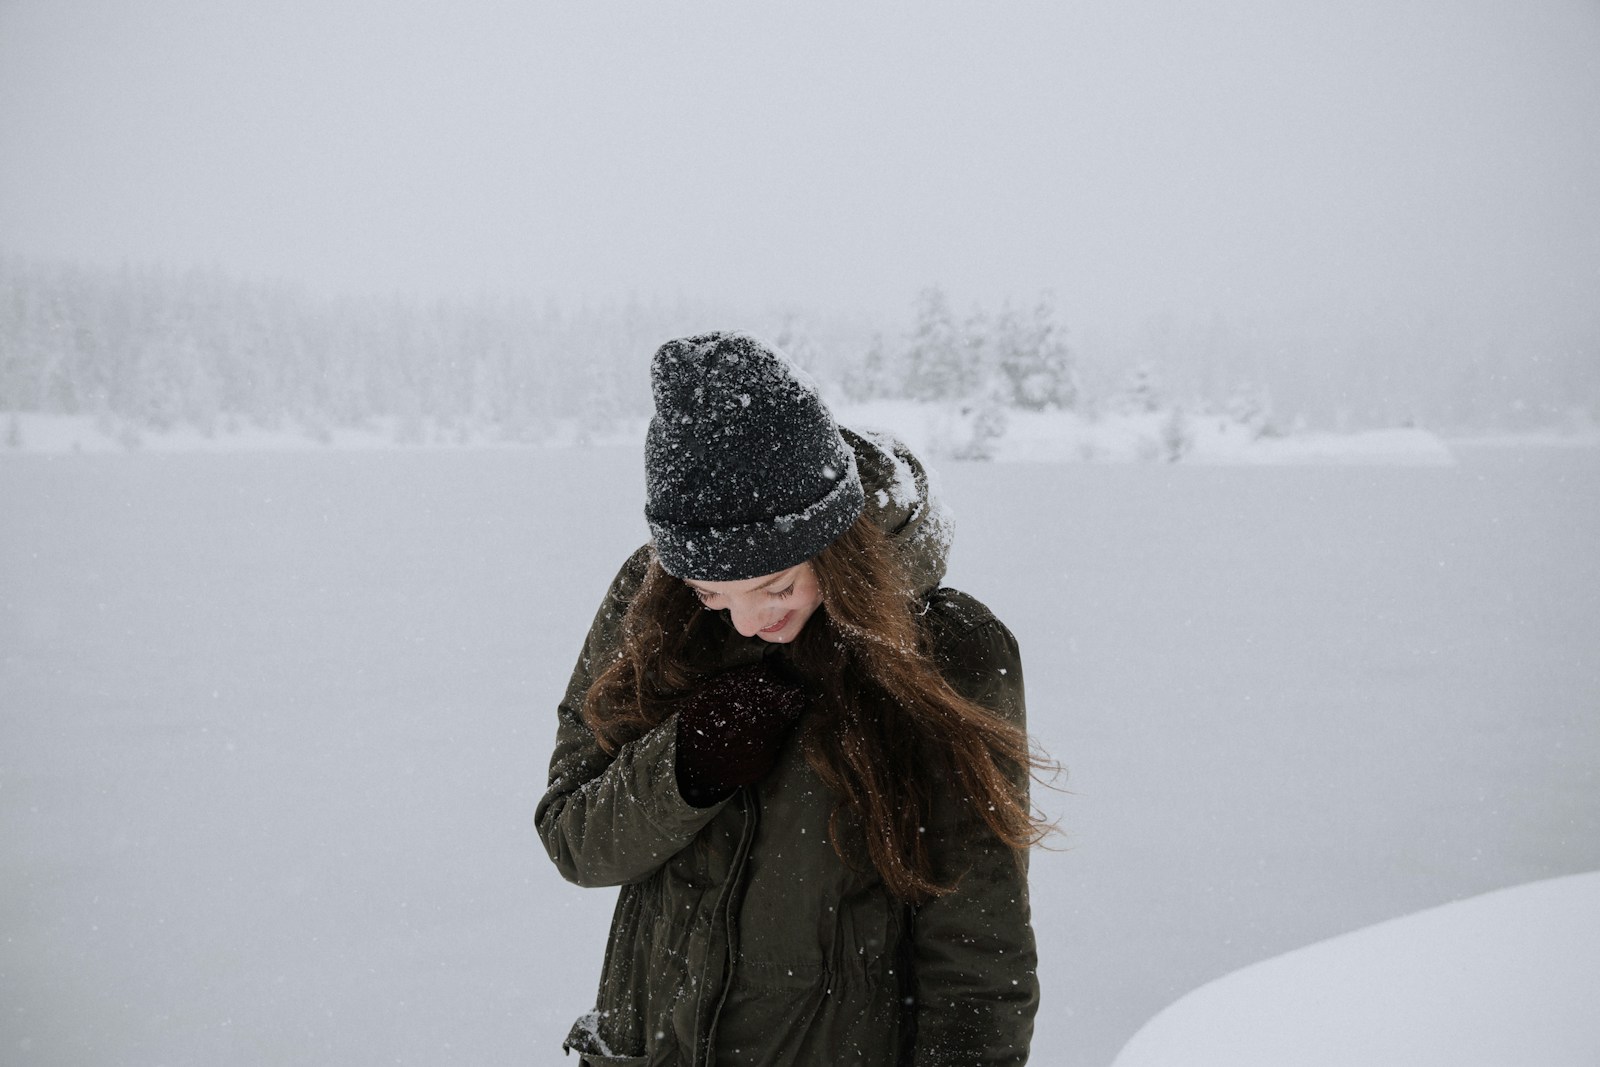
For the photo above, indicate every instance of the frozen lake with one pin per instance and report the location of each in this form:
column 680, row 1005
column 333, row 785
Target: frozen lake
column 275, row 725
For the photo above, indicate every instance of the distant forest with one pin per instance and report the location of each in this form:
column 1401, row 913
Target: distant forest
column 151, row 349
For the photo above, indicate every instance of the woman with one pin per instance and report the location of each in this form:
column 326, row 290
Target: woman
column 803, row 761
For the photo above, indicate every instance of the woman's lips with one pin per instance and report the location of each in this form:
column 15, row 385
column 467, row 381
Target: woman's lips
column 775, row 627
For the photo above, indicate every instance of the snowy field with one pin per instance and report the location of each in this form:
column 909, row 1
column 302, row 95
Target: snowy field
column 275, row 725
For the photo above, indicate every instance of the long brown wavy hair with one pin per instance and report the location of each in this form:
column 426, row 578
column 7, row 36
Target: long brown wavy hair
column 885, row 729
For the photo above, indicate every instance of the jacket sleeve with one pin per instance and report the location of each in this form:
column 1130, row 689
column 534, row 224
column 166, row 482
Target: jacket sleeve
column 974, row 961
column 612, row 819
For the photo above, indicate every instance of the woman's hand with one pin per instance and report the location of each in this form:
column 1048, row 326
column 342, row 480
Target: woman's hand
column 730, row 731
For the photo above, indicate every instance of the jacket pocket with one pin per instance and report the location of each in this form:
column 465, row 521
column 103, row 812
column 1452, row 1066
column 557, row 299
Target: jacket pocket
column 644, row 988
column 584, row 1039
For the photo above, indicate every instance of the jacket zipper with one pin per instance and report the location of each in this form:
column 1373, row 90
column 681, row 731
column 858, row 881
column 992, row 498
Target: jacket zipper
column 727, row 912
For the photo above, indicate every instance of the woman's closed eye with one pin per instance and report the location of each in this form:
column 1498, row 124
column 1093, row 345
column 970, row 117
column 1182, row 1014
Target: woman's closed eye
column 705, row 596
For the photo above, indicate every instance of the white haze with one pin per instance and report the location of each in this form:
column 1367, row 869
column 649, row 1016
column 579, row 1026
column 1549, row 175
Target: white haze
column 1405, row 181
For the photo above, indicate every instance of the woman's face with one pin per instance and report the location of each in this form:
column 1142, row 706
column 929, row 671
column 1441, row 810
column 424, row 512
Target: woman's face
column 774, row 607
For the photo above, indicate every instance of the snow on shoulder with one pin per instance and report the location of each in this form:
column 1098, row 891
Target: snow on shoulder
column 1509, row 977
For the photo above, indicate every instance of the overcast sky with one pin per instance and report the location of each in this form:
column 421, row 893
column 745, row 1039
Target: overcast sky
column 1247, row 159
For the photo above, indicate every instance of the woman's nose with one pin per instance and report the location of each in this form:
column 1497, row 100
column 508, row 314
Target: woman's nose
column 746, row 621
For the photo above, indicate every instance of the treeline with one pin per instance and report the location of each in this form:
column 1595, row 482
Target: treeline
column 1017, row 357
column 150, row 349
column 157, row 349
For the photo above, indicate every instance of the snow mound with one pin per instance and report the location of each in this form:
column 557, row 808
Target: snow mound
column 1169, row 435
column 1510, row 977
column 1394, row 448
column 933, row 431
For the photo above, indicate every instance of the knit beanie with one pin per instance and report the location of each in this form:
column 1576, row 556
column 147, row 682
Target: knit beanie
column 745, row 471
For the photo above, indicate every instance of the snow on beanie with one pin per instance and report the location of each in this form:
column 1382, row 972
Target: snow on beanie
column 745, row 471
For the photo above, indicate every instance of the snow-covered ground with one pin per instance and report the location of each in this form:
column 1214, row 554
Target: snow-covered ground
column 1509, row 977
column 274, row 725
column 1160, row 436
column 938, row 431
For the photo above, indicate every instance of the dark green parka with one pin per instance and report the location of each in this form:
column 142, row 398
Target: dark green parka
column 739, row 936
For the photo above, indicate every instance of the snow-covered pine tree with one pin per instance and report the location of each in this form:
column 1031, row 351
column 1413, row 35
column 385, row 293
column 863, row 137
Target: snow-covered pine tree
column 1034, row 360
column 1250, row 406
column 1177, row 435
column 935, row 357
column 1141, row 391
column 870, row 377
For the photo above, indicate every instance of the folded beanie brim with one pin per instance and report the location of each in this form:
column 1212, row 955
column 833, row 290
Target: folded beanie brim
column 731, row 553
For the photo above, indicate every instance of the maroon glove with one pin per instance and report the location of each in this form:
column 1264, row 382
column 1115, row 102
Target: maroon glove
column 730, row 730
